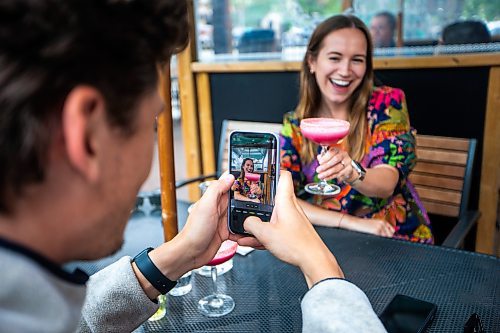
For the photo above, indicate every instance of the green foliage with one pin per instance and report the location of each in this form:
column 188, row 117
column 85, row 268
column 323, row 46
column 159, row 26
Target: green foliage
column 254, row 10
column 488, row 10
column 324, row 7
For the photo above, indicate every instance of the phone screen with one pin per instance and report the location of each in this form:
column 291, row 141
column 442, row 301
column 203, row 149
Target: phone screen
column 406, row 314
column 254, row 162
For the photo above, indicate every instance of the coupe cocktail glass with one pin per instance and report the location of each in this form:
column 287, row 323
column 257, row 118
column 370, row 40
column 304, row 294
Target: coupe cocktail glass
column 217, row 304
column 252, row 178
column 324, row 132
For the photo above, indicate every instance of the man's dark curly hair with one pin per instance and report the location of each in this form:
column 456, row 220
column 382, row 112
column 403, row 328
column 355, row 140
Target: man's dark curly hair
column 48, row 47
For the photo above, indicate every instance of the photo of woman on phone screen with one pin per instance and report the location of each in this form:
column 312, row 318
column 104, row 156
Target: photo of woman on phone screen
column 247, row 187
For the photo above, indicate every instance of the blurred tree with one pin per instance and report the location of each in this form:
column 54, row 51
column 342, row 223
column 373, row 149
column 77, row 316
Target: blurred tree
column 488, row 10
column 324, row 7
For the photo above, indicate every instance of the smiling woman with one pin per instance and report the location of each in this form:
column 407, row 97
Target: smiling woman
column 372, row 163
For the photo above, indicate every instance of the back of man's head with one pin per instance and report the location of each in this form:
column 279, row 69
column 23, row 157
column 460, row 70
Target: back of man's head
column 466, row 32
column 48, row 47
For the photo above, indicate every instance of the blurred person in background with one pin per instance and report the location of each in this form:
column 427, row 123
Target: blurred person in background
column 465, row 32
column 382, row 29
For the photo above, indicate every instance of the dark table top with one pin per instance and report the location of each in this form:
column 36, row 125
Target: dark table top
column 268, row 292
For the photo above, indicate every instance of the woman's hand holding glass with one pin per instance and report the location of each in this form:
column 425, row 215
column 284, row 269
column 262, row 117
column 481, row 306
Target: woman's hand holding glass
column 336, row 163
column 255, row 189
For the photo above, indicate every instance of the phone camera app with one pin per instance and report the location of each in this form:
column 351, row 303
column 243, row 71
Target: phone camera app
column 253, row 158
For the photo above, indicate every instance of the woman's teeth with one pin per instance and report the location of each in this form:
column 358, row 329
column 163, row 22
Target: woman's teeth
column 340, row 83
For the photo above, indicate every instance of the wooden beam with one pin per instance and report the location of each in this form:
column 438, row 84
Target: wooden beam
column 399, row 24
column 490, row 182
column 437, row 61
column 189, row 114
column 166, row 159
column 346, row 4
column 206, row 124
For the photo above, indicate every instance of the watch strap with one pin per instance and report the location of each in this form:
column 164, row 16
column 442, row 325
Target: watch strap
column 360, row 170
column 152, row 273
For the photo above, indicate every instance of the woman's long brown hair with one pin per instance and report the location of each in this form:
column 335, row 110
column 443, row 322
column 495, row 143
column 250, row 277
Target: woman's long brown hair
column 310, row 95
column 242, row 171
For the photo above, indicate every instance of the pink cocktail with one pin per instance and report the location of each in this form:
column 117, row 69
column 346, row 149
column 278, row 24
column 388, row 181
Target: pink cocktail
column 325, row 132
column 253, row 177
column 217, row 304
column 225, row 252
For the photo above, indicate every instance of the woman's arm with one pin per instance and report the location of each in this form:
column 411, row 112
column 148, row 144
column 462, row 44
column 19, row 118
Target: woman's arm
column 328, row 218
column 380, row 181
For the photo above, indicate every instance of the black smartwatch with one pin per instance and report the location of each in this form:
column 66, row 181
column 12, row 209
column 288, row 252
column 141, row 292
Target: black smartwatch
column 152, row 273
column 360, row 170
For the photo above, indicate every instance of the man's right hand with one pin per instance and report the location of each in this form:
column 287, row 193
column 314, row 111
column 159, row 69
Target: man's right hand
column 291, row 238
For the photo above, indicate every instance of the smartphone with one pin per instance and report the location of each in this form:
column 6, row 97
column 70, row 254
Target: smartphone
column 406, row 314
column 254, row 162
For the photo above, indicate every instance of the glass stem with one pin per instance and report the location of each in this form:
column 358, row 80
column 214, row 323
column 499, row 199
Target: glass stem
column 213, row 272
column 322, row 184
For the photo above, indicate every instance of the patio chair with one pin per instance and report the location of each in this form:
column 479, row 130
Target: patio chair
column 442, row 178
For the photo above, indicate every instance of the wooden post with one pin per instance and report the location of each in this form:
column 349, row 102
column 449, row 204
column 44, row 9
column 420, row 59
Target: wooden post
column 346, row 4
column 189, row 115
column 490, row 168
column 166, row 159
column 399, row 24
column 206, row 128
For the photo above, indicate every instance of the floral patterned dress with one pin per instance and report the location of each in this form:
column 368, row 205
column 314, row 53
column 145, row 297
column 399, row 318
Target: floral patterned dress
column 391, row 141
column 244, row 187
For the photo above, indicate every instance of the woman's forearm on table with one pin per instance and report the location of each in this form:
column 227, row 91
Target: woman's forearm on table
column 320, row 216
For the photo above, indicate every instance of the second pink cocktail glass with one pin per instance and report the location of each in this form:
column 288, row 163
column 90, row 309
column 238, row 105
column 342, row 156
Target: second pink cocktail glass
column 217, row 304
column 324, row 132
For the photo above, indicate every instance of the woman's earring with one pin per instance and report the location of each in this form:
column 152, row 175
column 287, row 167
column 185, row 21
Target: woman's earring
column 312, row 71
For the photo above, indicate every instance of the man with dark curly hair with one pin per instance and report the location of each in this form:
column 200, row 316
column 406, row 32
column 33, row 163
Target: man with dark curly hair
column 78, row 100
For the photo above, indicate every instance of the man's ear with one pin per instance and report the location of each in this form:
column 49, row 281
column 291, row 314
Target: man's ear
column 83, row 115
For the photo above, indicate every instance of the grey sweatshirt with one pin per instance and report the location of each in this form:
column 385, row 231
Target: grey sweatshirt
column 38, row 296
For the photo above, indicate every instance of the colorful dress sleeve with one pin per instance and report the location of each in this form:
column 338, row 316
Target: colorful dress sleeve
column 237, row 185
column 392, row 140
column 244, row 188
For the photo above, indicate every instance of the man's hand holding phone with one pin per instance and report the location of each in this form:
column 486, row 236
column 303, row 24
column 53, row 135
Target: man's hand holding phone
column 291, row 237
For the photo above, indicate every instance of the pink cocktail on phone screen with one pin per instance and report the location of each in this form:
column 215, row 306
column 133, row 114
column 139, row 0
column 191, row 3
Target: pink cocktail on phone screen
column 253, row 177
column 325, row 132
column 218, row 304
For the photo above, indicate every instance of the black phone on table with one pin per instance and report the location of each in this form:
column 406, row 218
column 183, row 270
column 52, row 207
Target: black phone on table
column 406, row 314
column 255, row 163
